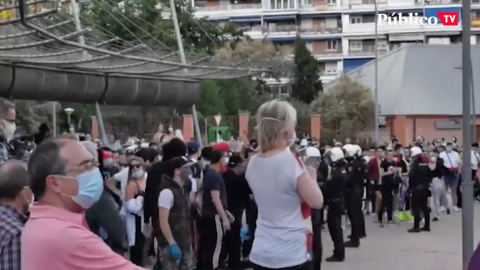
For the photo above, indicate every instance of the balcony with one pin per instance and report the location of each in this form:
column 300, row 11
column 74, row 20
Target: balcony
column 200, row 6
column 319, row 29
column 368, row 50
column 293, row 29
column 442, row 2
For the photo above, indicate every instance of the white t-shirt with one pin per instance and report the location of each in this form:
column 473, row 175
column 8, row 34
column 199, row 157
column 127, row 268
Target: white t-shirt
column 122, row 177
column 280, row 237
column 165, row 198
column 451, row 160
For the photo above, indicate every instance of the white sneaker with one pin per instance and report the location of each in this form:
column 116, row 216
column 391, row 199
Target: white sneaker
column 455, row 208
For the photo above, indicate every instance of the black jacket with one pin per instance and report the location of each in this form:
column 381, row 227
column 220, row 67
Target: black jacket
column 420, row 175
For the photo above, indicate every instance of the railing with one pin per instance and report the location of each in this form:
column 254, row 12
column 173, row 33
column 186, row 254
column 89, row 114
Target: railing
column 9, row 9
column 368, row 50
column 228, row 6
column 281, row 28
column 320, row 29
column 327, row 53
column 442, row 2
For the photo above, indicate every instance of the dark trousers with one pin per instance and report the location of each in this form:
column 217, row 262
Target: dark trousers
column 232, row 244
column 459, row 189
column 317, row 221
column 387, row 204
column 305, row 266
column 251, row 215
column 334, row 222
column 419, row 207
column 210, row 242
column 370, row 197
column 355, row 214
column 137, row 251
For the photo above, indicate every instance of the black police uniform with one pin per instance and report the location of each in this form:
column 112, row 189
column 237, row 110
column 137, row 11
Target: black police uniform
column 356, row 170
column 420, row 177
column 334, row 192
column 317, row 219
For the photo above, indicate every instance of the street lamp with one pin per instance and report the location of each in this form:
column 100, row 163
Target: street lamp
column 69, row 112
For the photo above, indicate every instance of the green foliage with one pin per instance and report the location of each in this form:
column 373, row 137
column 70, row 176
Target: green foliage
column 346, row 109
column 30, row 114
column 306, row 81
column 211, row 100
column 148, row 16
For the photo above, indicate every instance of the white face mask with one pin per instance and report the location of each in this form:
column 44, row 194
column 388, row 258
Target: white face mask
column 294, row 138
column 9, row 130
column 226, row 160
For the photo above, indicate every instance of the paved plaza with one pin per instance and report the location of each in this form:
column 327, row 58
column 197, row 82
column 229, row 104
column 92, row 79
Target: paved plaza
column 392, row 248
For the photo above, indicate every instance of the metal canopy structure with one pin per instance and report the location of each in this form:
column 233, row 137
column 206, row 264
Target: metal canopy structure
column 44, row 55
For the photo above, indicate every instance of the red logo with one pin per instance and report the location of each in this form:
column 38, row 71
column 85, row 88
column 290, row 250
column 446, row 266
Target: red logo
column 448, row 18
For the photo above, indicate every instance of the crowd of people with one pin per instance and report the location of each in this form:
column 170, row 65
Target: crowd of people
column 171, row 204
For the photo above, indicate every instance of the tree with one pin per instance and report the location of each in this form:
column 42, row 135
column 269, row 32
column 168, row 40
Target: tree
column 306, row 82
column 211, row 100
column 346, row 109
column 145, row 19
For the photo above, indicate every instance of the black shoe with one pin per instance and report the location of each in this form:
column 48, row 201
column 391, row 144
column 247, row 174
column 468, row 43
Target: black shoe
column 368, row 213
column 414, row 230
column 349, row 237
column 425, row 229
column 435, row 219
column 351, row 244
column 448, row 211
column 363, row 236
column 334, row 258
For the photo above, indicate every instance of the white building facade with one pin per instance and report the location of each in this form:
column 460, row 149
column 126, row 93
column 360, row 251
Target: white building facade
column 339, row 33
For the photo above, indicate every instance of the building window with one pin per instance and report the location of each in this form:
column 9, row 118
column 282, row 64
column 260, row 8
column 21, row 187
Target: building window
column 332, row 45
column 330, row 68
column 331, row 2
column 356, row 45
column 355, row 19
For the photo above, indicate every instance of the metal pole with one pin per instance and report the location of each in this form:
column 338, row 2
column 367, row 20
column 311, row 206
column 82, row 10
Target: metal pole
column 54, row 119
column 78, row 25
column 184, row 61
column 474, row 113
column 377, row 132
column 467, row 183
column 101, row 127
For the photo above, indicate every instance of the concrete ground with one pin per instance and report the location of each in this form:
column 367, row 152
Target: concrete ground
column 392, row 248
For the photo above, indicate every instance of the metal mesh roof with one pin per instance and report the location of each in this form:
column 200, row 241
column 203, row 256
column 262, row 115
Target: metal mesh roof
column 47, row 36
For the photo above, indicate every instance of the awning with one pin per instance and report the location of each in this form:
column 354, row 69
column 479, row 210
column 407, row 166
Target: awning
column 246, row 19
column 280, row 18
column 406, row 37
column 282, row 39
column 362, row 37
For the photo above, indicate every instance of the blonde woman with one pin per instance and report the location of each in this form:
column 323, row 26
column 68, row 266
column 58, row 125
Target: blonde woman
column 134, row 204
column 280, row 184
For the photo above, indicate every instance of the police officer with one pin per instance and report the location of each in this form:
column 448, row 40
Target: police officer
column 314, row 157
column 356, row 170
column 334, row 192
column 420, row 179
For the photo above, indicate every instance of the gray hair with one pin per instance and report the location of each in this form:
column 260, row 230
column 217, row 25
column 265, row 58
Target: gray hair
column 13, row 179
column 91, row 147
column 44, row 161
column 5, row 105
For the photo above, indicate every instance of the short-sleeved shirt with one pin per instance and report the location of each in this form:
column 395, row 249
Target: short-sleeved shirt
column 212, row 181
column 65, row 242
column 451, row 159
column 281, row 234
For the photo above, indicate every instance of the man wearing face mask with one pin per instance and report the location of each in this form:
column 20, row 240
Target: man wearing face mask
column 66, row 182
column 453, row 162
column 7, row 129
column 15, row 198
column 174, row 239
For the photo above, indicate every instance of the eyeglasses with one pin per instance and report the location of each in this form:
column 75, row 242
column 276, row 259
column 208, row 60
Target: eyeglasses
column 136, row 166
column 84, row 167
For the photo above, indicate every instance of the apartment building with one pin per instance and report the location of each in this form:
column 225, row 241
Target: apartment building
column 339, row 33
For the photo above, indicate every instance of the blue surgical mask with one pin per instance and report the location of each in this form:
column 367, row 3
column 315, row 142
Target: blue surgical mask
column 138, row 174
column 90, row 188
column 449, row 149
